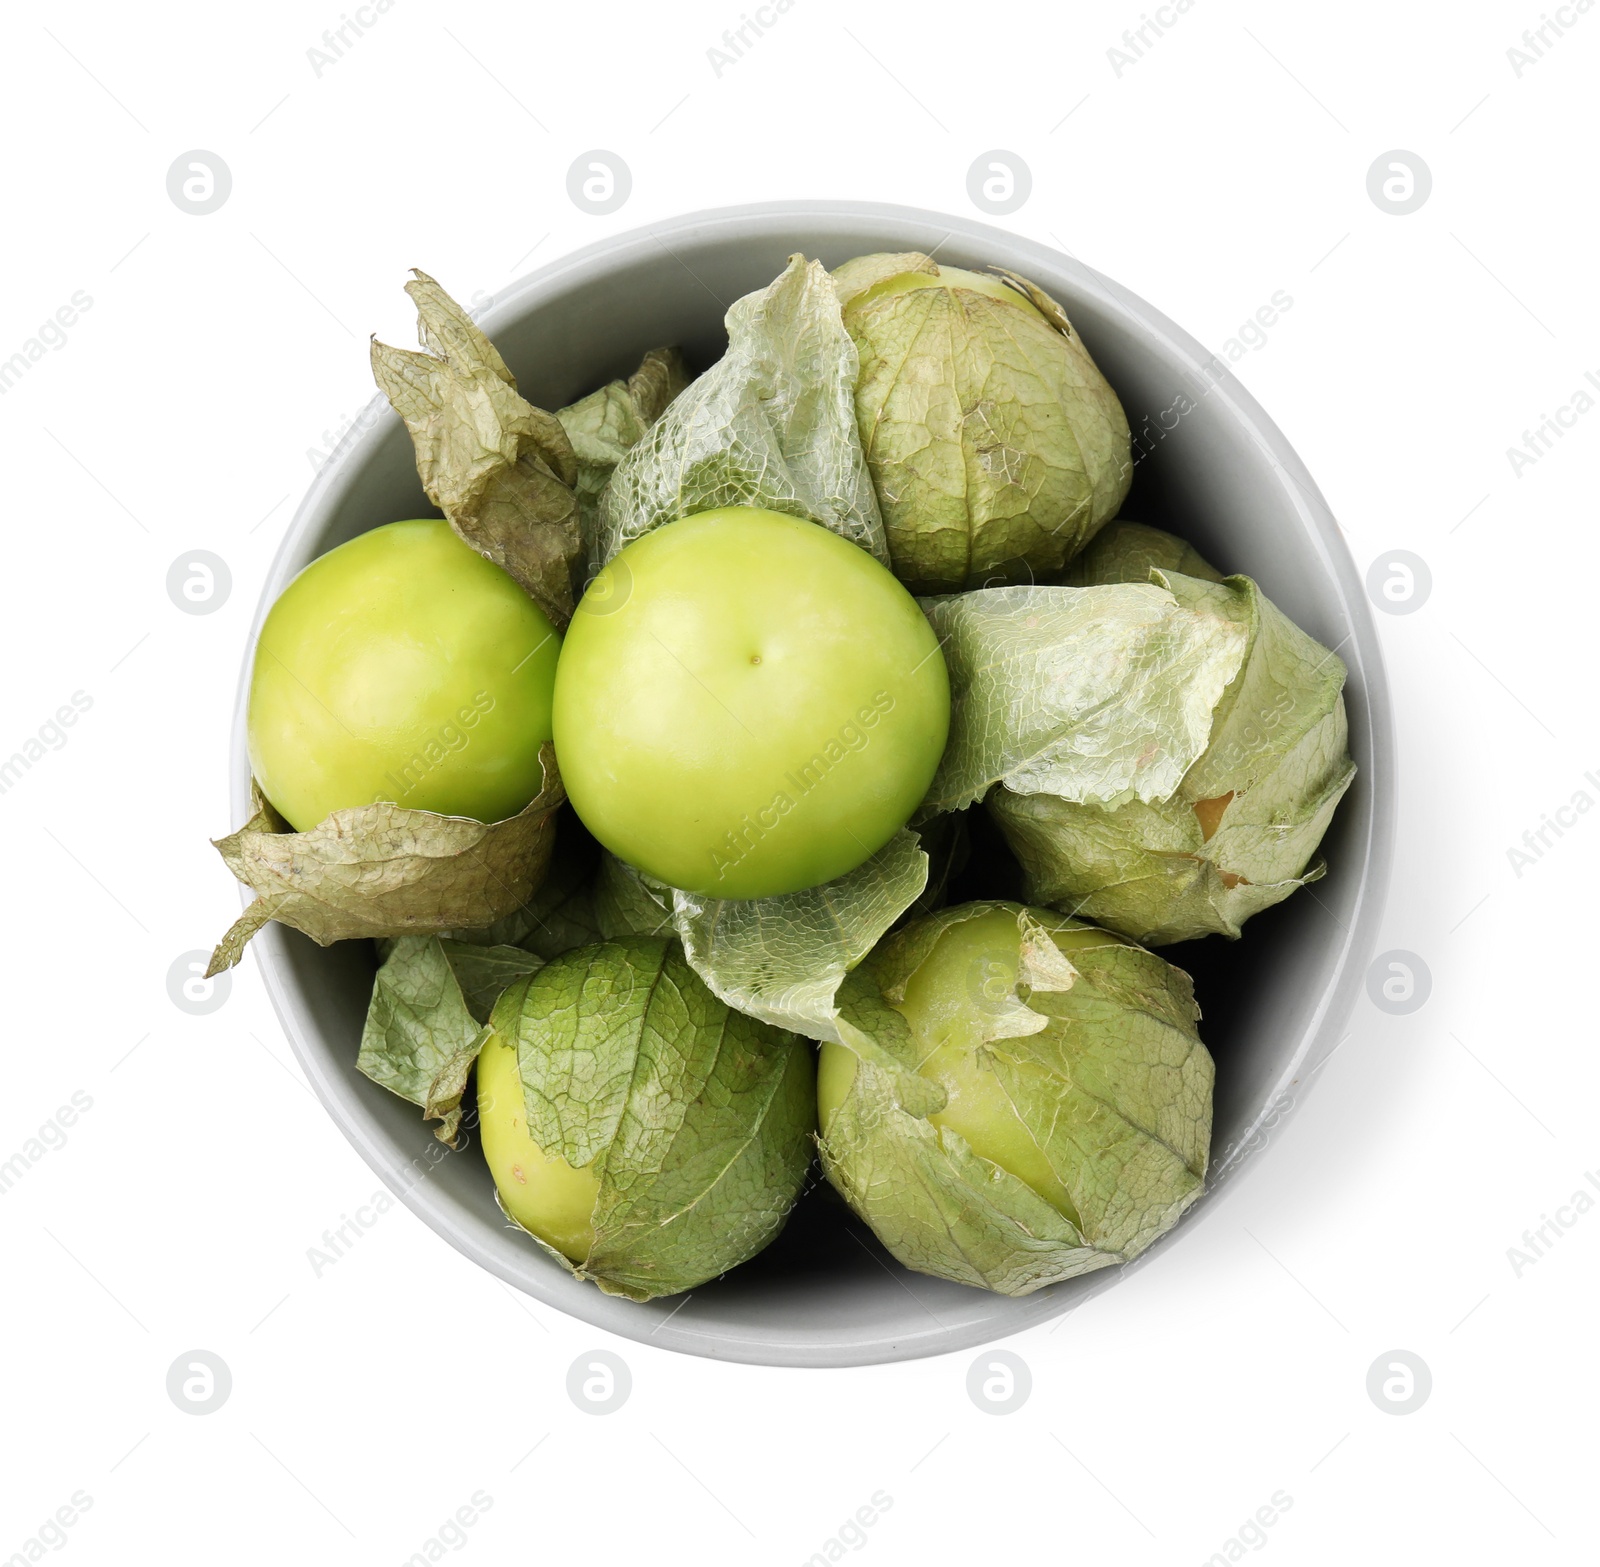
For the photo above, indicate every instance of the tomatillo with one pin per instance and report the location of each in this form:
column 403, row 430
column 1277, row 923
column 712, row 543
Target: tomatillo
column 402, row 667
column 950, row 1003
column 748, row 704
column 1069, row 1123
column 542, row 1192
column 947, row 278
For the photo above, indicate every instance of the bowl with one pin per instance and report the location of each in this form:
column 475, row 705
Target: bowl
column 1211, row 466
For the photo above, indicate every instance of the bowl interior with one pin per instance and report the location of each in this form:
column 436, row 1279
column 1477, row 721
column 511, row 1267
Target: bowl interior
column 1211, row 467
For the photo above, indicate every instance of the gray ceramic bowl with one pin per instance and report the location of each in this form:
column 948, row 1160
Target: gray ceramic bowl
column 1217, row 471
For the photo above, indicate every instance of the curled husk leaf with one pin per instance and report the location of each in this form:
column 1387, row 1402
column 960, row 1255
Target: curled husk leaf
column 560, row 915
column 433, row 995
column 787, row 960
column 771, row 424
column 1125, row 551
column 500, row 469
column 628, row 903
column 604, row 426
column 696, row 1119
column 1241, row 830
column 996, row 446
column 383, row 870
column 1092, row 1043
column 1101, row 694
column 483, row 973
column 427, row 1020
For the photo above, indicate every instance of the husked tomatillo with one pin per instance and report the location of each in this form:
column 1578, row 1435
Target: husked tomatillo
column 996, row 446
column 647, row 1134
column 747, row 704
column 1032, row 1103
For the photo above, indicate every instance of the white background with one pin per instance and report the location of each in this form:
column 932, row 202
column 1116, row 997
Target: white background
column 369, row 1403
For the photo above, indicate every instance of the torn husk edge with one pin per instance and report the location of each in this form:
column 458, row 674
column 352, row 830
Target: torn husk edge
column 384, row 870
column 500, row 469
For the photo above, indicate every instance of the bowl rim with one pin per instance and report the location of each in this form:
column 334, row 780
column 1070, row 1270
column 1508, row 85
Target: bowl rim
column 1320, row 1035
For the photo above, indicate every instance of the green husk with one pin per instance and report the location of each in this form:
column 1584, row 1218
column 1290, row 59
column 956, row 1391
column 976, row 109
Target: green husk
column 697, row 1119
column 560, row 915
column 996, row 446
column 786, row 960
column 1240, row 831
column 604, row 426
column 1099, row 694
column 1125, row 551
column 500, row 469
column 771, row 424
column 382, row 870
column 427, row 1020
column 1095, row 1048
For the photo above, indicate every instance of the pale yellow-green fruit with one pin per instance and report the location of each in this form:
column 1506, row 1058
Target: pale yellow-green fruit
column 960, row 986
column 543, row 1193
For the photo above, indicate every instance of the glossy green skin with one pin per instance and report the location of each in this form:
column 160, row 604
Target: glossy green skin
column 402, row 666
column 973, row 965
column 748, row 705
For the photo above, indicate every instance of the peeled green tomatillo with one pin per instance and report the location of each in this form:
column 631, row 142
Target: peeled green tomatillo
column 748, row 704
column 402, row 667
column 1044, row 1110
